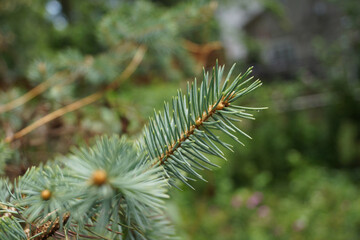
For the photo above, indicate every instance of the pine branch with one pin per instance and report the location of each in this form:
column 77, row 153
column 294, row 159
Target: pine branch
column 180, row 141
column 106, row 188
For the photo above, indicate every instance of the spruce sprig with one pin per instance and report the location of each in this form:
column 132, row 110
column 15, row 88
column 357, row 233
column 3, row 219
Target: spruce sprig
column 180, row 137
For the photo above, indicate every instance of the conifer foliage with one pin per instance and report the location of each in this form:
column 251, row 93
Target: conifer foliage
column 116, row 188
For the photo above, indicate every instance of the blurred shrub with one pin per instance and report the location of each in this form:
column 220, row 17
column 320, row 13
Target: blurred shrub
column 298, row 178
column 314, row 204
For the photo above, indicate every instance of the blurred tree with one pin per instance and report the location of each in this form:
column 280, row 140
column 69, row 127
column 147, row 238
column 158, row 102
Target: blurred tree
column 78, row 49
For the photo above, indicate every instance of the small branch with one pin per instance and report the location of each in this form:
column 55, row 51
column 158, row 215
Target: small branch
column 130, row 69
column 201, row 52
column 201, row 48
column 184, row 136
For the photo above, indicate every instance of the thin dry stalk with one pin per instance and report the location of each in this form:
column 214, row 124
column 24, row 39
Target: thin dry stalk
column 130, row 69
column 26, row 97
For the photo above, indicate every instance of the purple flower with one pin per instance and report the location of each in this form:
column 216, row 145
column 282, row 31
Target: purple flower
column 254, row 200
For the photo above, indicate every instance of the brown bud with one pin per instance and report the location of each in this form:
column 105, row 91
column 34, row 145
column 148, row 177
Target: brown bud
column 210, row 108
column 204, row 116
column 198, row 122
column 182, row 137
column 99, row 177
column 220, row 106
column 46, row 194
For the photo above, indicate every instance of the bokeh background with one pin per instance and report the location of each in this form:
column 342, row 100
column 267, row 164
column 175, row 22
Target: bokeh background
column 299, row 176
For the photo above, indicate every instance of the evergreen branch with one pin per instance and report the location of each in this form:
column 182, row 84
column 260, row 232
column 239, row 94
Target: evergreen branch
column 180, row 141
column 114, row 190
column 105, row 188
column 10, row 228
column 130, row 69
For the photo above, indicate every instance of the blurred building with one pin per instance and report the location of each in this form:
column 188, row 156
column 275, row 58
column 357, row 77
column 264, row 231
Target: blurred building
column 279, row 37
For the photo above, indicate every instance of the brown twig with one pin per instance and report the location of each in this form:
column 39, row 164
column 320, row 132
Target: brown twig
column 201, row 48
column 201, row 52
column 130, row 69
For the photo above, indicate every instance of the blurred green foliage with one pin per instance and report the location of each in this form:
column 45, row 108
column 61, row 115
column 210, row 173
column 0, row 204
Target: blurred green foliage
column 299, row 176
column 314, row 204
column 81, row 48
